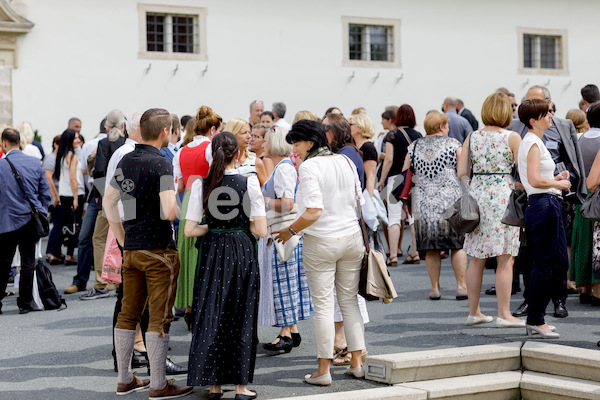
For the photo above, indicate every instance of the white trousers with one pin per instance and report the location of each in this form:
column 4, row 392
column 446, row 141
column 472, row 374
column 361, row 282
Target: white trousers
column 329, row 263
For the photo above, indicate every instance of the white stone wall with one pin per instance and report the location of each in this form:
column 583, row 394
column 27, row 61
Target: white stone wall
column 81, row 58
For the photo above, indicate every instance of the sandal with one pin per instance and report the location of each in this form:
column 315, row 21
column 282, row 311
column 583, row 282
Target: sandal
column 393, row 263
column 343, row 359
column 412, row 259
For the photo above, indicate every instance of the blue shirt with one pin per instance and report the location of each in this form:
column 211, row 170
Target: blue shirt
column 169, row 152
column 15, row 209
column 353, row 155
column 459, row 126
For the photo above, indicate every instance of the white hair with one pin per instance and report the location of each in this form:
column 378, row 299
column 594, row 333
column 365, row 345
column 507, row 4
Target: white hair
column 133, row 123
column 115, row 122
column 276, row 143
column 24, row 128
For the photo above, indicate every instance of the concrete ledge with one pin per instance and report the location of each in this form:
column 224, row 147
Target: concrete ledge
column 561, row 360
column 497, row 386
column 537, row 386
column 384, row 393
column 443, row 363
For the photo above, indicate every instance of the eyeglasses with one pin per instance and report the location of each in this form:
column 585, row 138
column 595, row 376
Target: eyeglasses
column 257, row 137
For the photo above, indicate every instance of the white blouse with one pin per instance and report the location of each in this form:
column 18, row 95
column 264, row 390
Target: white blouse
column 547, row 165
column 331, row 184
column 195, row 210
column 64, row 182
column 285, row 179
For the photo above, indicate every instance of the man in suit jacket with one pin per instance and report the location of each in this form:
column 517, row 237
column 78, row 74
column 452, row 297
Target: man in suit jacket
column 466, row 114
column 459, row 126
column 17, row 227
column 561, row 141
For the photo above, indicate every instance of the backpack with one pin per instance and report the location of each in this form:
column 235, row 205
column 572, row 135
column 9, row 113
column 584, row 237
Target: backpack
column 47, row 290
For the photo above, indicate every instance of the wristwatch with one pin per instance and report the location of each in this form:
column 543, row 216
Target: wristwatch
column 292, row 232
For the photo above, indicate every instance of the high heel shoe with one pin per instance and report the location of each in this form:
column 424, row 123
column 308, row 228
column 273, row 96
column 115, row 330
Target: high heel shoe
column 531, row 329
column 323, row 380
column 296, row 339
column 285, row 343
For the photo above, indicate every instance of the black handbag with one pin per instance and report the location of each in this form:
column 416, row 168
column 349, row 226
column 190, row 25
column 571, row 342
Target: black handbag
column 463, row 215
column 40, row 219
column 515, row 210
column 590, row 208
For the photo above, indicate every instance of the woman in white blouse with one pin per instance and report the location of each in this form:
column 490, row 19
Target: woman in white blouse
column 544, row 214
column 333, row 244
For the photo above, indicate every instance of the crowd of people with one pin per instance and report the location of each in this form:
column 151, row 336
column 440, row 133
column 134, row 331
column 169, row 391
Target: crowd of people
column 247, row 222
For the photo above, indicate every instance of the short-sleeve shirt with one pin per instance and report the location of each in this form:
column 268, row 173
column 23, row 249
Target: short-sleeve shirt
column 352, row 154
column 50, row 165
column 397, row 139
column 140, row 178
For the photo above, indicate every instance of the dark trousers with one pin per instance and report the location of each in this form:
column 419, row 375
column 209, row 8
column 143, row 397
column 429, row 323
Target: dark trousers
column 85, row 250
column 26, row 238
column 70, row 216
column 55, row 238
column 524, row 263
column 546, row 225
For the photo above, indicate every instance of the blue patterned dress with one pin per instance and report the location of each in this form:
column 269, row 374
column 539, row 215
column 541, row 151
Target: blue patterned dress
column 291, row 296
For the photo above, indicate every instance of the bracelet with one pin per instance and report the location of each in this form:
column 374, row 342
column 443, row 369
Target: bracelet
column 292, row 232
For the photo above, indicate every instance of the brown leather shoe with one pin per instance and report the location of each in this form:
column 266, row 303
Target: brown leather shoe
column 73, row 289
column 133, row 386
column 170, row 391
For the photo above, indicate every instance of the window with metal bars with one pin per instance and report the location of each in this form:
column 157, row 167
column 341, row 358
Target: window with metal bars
column 542, row 51
column 371, row 42
column 171, row 33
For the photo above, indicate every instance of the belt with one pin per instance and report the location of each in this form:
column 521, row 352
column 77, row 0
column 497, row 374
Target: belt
column 229, row 230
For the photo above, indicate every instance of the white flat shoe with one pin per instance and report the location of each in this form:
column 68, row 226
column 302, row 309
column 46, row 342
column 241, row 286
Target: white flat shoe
column 357, row 372
column 502, row 323
column 472, row 320
column 323, row 380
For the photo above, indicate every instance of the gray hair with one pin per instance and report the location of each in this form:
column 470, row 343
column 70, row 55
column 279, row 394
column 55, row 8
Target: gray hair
column 279, row 109
column 276, row 142
column 133, row 123
column 115, row 121
column 255, row 102
column 73, row 119
column 545, row 91
column 450, row 101
column 460, row 102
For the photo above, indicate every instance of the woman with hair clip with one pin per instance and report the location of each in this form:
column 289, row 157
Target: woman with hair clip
column 190, row 163
column 70, row 185
column 225, row 307
column 248, row 163
column 333, row 244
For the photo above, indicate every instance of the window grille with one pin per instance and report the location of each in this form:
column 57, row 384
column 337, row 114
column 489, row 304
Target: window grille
column 371, row 42
column 171, row 33
column 542, row 51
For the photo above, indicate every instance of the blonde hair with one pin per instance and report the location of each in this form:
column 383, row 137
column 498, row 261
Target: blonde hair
column 26, row 132
column 276, row 143
column 115, row 122
column 434, row 121
column 305, row 114
column 496, row 110
column 367, row 130
column 579, row 120
column 235, row 126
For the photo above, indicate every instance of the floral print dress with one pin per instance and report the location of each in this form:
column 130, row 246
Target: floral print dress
column 491, row 186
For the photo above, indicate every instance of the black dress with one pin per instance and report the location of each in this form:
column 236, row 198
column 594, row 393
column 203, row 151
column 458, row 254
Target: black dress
column 225, row 306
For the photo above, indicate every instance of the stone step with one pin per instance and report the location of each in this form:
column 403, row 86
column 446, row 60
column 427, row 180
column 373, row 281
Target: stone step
column 384, row 393
column 538, row 386
column 556, row 359
column 443, row 363
column 496, row 386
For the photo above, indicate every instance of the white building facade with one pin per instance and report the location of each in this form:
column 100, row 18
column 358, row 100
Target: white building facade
column 64, row 58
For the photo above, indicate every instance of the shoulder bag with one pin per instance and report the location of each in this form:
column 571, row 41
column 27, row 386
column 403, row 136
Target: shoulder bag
column 517, row 203
column 590, row 208
column 375, row 280
column 463, row 215
column 40, row 218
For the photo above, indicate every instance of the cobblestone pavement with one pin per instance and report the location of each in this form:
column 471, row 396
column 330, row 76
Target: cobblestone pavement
column 67, row 354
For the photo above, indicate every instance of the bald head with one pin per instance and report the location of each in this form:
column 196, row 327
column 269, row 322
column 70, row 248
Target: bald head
column 450, row 103
column 538, row 93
